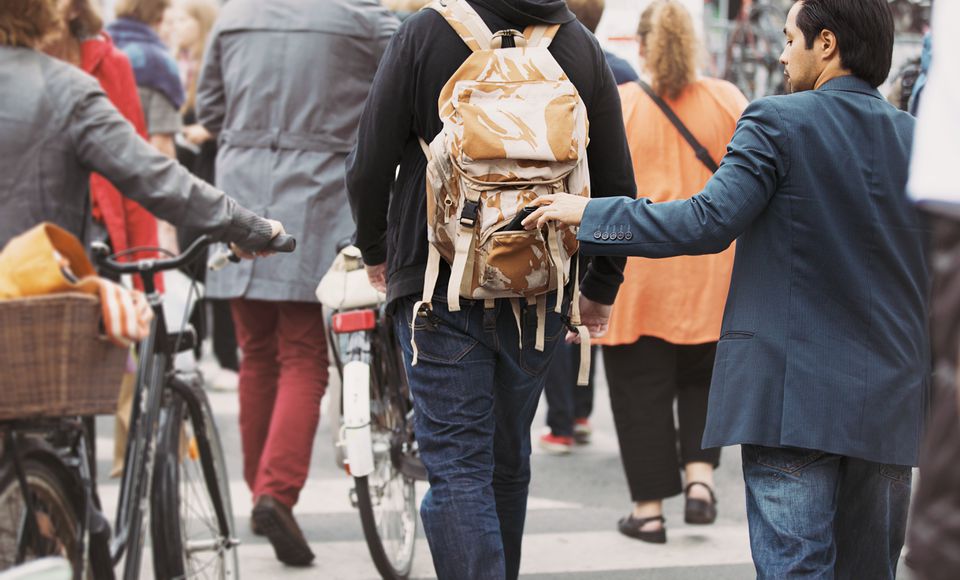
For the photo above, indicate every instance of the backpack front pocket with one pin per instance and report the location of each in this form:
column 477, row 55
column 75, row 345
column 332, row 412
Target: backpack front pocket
column 516, row 262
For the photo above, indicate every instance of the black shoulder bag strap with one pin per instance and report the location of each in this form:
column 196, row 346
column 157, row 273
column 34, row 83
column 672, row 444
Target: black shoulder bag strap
column 702, row 154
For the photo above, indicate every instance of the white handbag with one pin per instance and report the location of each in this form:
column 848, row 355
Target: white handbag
column 345, row 285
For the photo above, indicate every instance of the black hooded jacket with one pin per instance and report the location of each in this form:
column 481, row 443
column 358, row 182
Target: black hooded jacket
column 425, row 52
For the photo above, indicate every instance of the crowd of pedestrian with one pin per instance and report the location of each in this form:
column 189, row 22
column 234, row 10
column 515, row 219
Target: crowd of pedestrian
column 752, row 274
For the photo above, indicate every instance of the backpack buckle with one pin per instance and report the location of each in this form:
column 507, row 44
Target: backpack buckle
column 468, row 217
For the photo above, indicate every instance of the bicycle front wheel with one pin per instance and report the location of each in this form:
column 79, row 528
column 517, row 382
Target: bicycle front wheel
column 190, row 480
column 55, row 510
column 388, row 511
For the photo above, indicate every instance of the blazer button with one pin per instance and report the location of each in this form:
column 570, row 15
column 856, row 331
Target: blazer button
column 628, row 236
column 596, row 235
column 605, row 236
column 621, row 235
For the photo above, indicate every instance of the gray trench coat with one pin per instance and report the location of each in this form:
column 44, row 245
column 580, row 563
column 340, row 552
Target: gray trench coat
column 283, row 86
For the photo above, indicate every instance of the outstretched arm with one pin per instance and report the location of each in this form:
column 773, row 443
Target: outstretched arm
column 757, row 160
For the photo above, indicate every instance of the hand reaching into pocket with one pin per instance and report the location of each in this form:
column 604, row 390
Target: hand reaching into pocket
column 561, row 207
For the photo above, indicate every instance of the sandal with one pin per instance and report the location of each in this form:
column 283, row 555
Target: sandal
column 631, row 526
column 699, row 511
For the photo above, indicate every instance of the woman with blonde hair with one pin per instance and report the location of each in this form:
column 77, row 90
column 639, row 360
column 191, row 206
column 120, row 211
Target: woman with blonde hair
column 191, row 22
column 666, row 321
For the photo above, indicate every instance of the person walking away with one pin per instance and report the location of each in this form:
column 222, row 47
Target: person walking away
column 283, row 88
column 117, row 220
column 666, row 321
column 934, row 533
column 158, row 83
column 191, row 22
column 823, row 365
column 568, row 406
column 59, row 126
column 479, row 368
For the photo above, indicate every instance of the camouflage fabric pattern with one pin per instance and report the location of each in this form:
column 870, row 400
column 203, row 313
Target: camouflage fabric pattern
column 514, row 129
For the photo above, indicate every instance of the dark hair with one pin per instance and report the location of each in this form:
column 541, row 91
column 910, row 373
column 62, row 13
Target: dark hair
column 588, row 12
column 864, row 31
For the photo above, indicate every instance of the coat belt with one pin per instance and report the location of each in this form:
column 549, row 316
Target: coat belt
column 277, row 140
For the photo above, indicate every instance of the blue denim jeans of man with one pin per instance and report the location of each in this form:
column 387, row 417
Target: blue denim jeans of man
column 475, row 391
column 819, row 515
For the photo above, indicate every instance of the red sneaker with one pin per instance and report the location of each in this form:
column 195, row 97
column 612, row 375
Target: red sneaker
column 555, row 444
column 582, row 431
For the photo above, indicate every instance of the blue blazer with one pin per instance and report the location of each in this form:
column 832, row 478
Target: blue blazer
column 824, row 339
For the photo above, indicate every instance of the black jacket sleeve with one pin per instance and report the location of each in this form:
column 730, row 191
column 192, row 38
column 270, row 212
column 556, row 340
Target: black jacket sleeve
column 611, row 174
column 384, row 129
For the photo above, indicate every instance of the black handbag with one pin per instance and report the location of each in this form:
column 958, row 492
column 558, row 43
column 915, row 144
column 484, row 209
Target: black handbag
column 702, row 154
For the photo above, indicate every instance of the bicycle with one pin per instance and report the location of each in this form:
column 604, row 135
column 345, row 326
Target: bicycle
column 375, row 441
column 174, row 464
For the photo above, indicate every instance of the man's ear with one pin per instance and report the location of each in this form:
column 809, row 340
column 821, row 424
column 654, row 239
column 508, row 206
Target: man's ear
column 828, row 46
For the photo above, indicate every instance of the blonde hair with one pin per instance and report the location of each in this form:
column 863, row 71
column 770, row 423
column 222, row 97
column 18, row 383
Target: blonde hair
column 27, row 22
column 667, row 34
column 205, row 13
column 147, row 11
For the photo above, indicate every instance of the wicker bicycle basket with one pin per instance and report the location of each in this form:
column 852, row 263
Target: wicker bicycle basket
column 53, row 362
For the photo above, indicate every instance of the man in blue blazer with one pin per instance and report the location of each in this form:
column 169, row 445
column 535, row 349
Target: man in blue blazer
column 822, row 368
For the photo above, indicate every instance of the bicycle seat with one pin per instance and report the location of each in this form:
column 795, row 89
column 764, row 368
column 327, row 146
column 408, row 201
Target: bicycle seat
column 345, row 285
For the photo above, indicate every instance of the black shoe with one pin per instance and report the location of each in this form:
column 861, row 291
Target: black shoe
column 631, row 526
column 253, row 527
column 275, row 521
column 699, row 511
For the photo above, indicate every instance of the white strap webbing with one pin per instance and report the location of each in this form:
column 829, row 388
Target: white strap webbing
column 466, row 15
column 429, row 285
column 583, row 376
column 459, row 267
column 540, row 35
column 426, row 148
column 557, row 260
column 515, row 305
column 541, row 322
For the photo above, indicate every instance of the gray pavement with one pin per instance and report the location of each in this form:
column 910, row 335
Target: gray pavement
column 575, row 502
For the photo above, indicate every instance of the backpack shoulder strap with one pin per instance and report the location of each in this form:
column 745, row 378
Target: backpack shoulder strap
column 702, row 154
column 541, row 34
column 466, row 22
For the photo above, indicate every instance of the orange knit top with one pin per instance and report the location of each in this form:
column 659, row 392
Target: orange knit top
column 680, row 299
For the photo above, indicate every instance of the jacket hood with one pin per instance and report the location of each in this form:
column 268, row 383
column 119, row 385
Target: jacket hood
column 524, row 12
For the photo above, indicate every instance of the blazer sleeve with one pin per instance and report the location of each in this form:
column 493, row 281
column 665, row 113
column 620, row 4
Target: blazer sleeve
column 757, row 161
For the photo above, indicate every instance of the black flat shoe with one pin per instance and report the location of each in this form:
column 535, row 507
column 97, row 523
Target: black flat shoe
column 631, row 526
column 699, row 511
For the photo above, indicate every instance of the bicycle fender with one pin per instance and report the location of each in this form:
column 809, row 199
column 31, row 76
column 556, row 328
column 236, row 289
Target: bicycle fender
column 356, row 418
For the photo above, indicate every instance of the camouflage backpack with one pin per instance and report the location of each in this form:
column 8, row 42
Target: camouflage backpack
column 514, row 129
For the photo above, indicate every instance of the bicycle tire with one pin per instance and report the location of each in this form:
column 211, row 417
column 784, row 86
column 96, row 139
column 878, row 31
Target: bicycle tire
column 187, row 537
column 51, row 487
column 390, row 568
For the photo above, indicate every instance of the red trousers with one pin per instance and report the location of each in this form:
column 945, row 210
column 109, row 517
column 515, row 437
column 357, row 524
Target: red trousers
column 283, row 375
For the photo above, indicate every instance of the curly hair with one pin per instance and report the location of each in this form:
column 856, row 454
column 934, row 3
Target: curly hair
column 667, row 34
column 27, row 22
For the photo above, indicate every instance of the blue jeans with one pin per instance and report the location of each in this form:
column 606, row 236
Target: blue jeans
column 818, row 515
column 475, row 392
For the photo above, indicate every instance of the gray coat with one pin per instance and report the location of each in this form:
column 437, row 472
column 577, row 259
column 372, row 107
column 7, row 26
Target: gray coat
column 57, row 125
column 283, row 85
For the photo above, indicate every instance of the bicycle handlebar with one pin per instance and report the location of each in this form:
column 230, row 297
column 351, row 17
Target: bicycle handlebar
column 284, row 243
